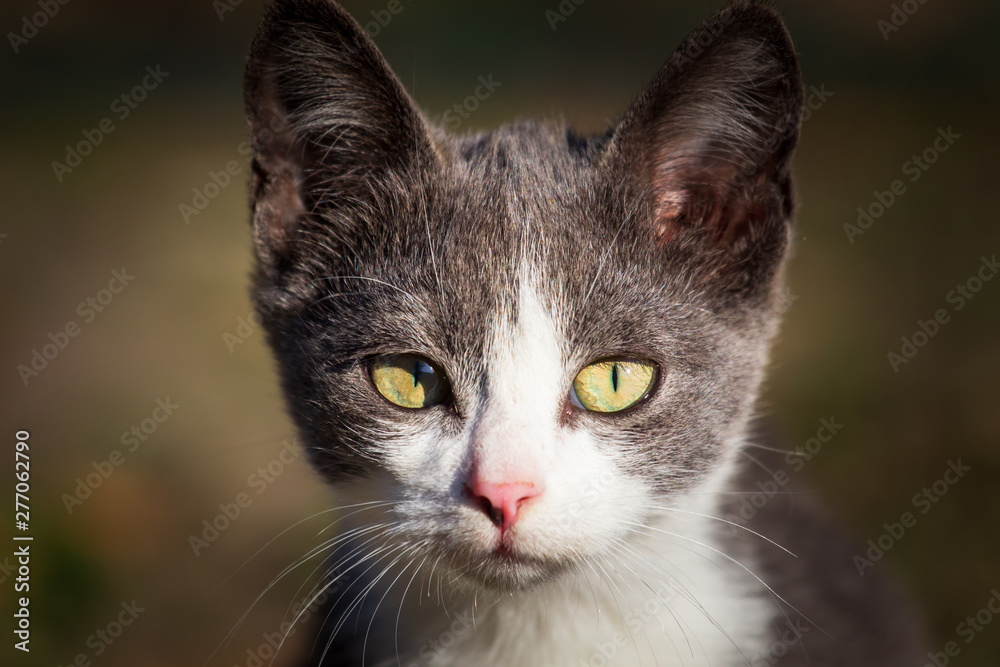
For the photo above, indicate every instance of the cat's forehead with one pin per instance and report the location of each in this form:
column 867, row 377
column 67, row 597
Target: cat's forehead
column 506, row 205
column 513, row 227
column 500, row 271
column 521, row 170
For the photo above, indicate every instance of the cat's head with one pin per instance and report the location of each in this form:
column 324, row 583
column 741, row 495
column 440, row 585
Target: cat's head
column 525, row 340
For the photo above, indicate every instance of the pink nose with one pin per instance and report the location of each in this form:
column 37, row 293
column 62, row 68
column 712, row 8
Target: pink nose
column 501, row 502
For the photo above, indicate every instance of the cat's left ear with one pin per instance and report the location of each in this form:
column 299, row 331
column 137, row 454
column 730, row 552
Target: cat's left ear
column 708, row 144
column 330, row 125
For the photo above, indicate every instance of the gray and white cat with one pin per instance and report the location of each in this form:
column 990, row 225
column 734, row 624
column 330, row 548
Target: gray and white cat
column 528, row 361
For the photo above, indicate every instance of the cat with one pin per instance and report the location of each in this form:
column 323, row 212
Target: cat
column 528, row 361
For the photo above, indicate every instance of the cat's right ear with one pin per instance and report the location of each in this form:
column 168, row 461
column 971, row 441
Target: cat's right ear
column 709, row 145
column 329, row 124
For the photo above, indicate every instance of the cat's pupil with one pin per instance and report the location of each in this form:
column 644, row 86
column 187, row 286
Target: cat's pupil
column 614, row 377
column 416, row 373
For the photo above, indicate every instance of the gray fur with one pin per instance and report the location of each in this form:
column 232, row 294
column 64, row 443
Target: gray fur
column 664, row 239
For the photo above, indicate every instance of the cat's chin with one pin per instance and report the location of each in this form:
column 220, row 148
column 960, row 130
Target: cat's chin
column 506, row 571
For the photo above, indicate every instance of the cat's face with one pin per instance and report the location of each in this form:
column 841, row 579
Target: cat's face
column 523, row 342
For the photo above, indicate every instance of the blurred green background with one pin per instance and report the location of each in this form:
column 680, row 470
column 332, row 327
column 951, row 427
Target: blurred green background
column 177, row 332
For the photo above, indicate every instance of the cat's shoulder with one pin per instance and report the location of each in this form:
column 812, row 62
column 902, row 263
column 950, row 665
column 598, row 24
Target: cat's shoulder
column 833, row 599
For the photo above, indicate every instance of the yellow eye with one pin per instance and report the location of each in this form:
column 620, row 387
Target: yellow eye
column 408, row 380
column 613, row 384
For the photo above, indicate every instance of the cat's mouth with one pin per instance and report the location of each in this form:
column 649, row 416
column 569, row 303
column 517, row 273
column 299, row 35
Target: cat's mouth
column 507, row 572
column 507, row 567
column 507, row 554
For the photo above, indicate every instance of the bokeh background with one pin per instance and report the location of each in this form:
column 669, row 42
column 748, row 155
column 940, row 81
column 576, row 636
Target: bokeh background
column 179, row 332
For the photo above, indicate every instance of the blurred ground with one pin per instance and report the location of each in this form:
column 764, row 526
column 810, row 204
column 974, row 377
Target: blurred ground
column 177, row 332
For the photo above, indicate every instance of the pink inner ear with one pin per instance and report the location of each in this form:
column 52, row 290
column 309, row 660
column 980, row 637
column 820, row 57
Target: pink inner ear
column 277, row 175
column 707, row 191
column 278, row 204
column 287, row 196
